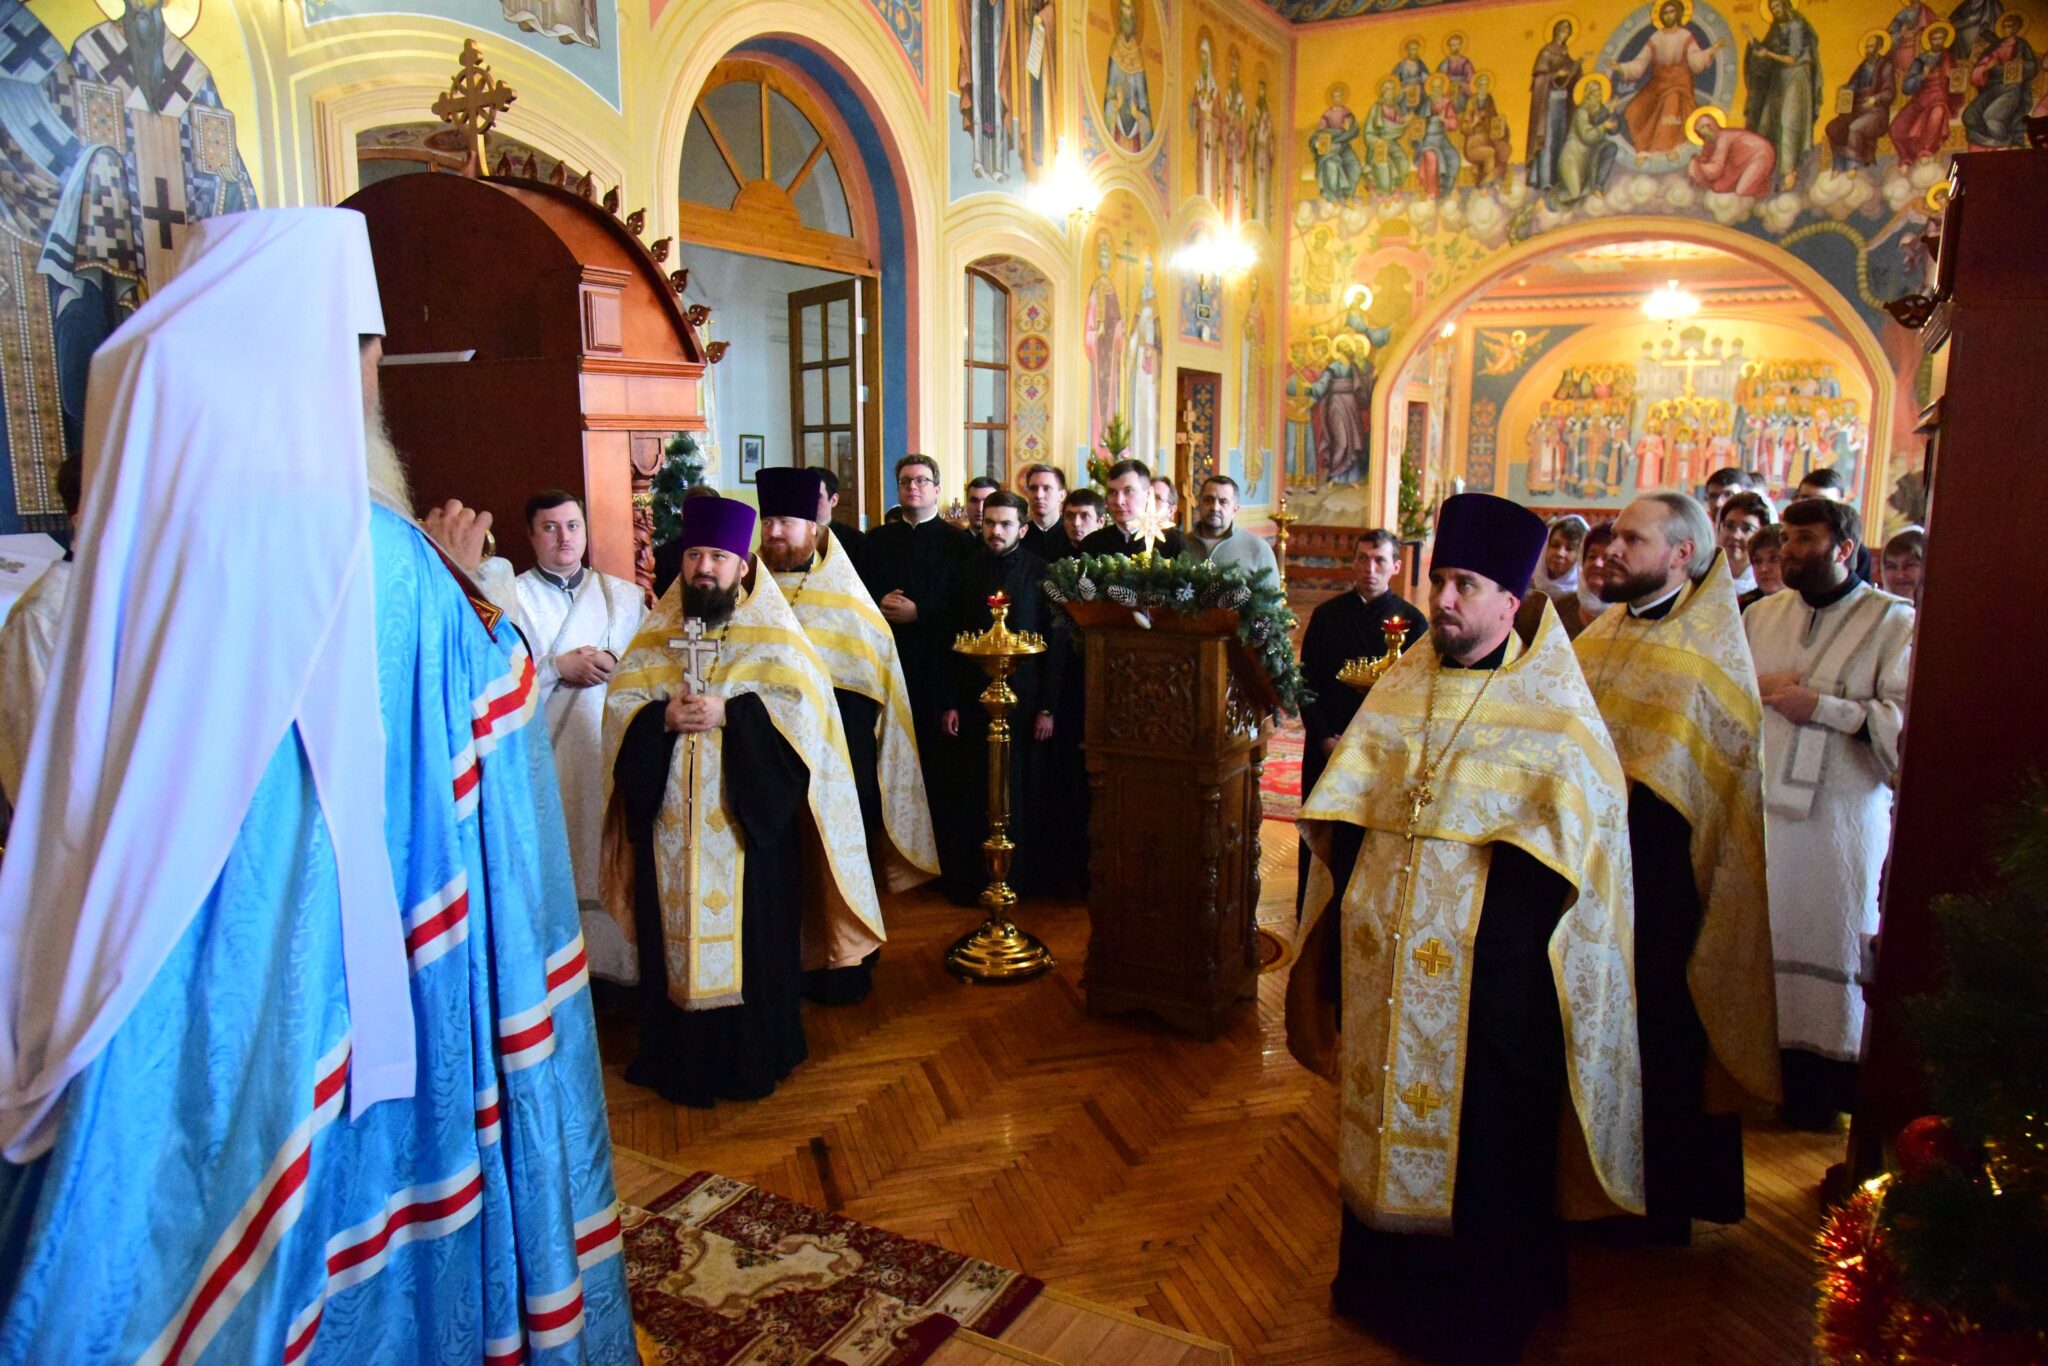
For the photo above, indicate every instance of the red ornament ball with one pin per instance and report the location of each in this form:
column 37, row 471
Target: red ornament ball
column 1927, row 1145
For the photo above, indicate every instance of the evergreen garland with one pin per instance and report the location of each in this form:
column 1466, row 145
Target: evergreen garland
column 1191, row 586
column 680, row 472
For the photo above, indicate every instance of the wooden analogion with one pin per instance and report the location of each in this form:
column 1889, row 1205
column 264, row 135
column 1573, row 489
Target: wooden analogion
column 1175, row 744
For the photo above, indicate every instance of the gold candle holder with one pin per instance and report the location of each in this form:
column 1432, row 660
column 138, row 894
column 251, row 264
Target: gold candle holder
column 1283, row 520
column 998, row 951
column 1362, row 672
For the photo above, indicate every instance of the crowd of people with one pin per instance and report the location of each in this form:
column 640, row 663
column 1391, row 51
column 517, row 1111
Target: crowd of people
column 1589, row 873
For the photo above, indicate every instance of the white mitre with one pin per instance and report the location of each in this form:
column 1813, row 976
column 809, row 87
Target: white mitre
column 222, row 596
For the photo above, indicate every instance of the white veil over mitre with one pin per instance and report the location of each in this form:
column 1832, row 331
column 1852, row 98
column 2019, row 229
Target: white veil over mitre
column 222, row 596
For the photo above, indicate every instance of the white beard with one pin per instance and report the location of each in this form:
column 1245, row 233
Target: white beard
column 388, row 483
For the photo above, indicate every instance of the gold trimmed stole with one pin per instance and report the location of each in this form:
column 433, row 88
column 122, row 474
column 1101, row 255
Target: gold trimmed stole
column 1679, row 695
column 1533, row 768
column 858, row 650
column 700, row 854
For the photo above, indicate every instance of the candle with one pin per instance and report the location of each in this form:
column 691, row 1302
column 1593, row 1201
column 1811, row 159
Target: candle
column 999, row 599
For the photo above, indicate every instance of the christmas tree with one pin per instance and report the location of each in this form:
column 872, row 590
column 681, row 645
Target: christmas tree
column 1945, row 1258
column 682, row 470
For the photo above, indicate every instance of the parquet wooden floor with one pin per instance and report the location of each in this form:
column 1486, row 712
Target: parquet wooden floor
column 1191, row 1184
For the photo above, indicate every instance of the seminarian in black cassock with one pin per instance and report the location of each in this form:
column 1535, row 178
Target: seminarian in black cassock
column 1003, row 565
column 1341, row 629
column 722, row 938
column 915, row 559
column 854, row 643
column 1470, row 991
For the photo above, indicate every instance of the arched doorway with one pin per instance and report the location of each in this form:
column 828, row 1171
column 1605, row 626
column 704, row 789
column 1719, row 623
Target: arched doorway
column 791, row 226
column 1430, row 372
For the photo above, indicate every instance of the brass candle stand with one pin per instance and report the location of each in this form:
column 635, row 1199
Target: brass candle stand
column 998, row 951
column 1284, row 521
column 1364, row 671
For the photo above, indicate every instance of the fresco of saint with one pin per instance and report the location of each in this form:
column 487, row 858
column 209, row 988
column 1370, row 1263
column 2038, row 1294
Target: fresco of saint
column 1126, row 89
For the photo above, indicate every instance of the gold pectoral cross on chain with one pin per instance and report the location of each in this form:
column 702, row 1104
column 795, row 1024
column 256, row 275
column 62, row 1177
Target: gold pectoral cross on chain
column 1420, row 796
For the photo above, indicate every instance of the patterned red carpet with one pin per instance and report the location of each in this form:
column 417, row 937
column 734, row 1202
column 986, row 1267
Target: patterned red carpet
column 1280, row 784
column 721, row 1272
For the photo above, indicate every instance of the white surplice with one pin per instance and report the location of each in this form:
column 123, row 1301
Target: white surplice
column 1828, row 801
column 604, row 613
column 26, row 643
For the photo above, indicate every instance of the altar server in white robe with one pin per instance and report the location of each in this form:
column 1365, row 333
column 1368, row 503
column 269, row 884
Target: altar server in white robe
column 578, row 621
column 1832, row 658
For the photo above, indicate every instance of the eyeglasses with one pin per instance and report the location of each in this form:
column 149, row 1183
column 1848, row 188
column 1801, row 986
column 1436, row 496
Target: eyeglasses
column 915, row 481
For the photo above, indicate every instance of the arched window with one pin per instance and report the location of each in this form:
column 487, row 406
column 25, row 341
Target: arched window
column 988, row 377
column 762, row 172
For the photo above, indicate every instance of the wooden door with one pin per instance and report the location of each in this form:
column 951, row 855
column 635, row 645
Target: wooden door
column 1197, row 394
column 829, row 359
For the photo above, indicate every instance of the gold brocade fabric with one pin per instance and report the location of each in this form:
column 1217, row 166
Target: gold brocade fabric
column 1533, row 768
column 859, row 652
column 699, row 852
column 1680, row 698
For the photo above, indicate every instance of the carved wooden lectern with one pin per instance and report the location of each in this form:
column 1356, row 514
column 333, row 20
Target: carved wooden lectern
column 531, row 342
column 1175, row 743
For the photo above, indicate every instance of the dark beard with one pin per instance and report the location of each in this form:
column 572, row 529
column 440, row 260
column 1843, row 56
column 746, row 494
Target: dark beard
column 1634, row 588
column 1810, row 576
column 710, row 604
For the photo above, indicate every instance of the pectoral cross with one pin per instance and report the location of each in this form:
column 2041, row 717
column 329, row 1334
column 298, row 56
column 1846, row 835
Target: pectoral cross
column 699, row 654
column 1420, row 797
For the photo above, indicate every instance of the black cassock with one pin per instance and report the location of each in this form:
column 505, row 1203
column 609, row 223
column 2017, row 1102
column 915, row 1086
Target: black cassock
column 697, row 1057
column 1340, row 630
column 1113, row 540
column 965, row 756
column 858, row 714
column 922, row 560
column 1067, row 797
column 1692, row 1161
column 1474, row 1294
column 1048, row 545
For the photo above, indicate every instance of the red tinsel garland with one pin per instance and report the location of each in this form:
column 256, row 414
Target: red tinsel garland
column 1866, row 1321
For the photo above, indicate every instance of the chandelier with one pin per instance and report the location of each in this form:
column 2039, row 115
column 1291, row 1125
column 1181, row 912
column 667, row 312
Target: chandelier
column 1670, row 304
column 1066, row 192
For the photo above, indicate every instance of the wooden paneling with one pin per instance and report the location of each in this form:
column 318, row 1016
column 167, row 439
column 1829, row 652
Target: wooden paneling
column 1966, row 744
column 1191, row 1184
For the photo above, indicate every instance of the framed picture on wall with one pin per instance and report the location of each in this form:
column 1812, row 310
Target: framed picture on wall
column 752, row 451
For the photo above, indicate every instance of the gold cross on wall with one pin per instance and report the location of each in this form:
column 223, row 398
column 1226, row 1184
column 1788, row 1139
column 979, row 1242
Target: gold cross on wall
column 1433, row 959
column 1422, row 1098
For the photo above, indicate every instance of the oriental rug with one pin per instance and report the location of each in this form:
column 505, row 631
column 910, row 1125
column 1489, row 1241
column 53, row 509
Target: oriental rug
column 725, row 1274
column 1280, row 784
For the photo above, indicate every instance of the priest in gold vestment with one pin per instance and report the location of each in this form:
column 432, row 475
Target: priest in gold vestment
column 1470, row 992
column 858, row 650
column 1670, row 668
column 732, row 853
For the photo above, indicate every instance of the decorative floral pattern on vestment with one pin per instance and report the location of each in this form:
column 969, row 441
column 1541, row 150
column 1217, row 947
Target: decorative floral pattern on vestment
column 859, row 652
column 1533, row 768
column 701, row 870
column 1680, row 698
